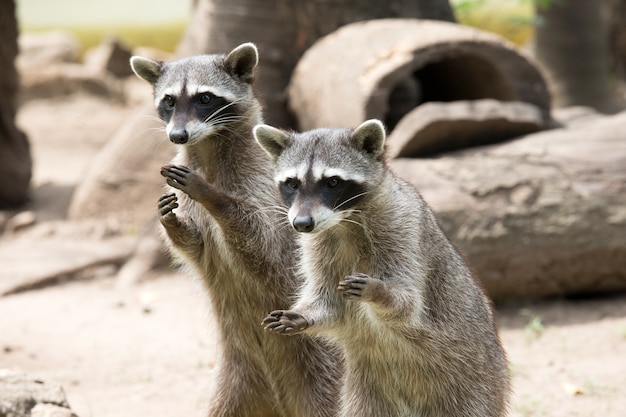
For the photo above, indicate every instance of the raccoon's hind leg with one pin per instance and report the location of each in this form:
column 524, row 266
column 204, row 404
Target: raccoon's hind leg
column 241, row 389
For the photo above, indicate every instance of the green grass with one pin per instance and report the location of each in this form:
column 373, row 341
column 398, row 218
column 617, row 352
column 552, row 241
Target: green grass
column 511, row 19
column 535, row 327
column 163, row 37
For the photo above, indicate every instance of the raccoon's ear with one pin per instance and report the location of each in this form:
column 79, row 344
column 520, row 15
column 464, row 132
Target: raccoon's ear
column 273, row 140
column 242, row 60
column 146, row 69
column 369, row 137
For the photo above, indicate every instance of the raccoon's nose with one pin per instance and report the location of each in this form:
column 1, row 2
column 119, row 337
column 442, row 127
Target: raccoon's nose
column 303, row 224
column 179, row 136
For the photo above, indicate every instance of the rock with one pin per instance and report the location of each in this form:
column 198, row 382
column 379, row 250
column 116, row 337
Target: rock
column 20, row 221
column 542, row 215
column 80, row 250
column 51, row 410
column 374, row 69
column 40, row 50
column 110, row 56
column 48, row 67
column 61, row 80
column 442, row 126
column 20, row 394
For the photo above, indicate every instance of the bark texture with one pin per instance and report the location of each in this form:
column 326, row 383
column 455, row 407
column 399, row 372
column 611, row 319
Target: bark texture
column 543, row 215
column 615, row 16
column 437, row 127
column 571, row 44
column 15, row 159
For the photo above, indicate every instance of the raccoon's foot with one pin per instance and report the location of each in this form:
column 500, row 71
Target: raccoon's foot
column 361, row 287
column 166, row 205
column 186, row 180
column 285, row 322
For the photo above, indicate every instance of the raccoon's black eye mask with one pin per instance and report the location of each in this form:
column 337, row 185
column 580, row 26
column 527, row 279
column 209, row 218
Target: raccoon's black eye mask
column 333, row 192
column 206, row 107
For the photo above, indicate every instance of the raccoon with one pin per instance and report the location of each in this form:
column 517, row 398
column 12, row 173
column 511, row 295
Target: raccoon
column 220, row 217
column 382, row 279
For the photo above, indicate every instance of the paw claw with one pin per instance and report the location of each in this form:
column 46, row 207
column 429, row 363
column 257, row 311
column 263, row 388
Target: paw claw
column 284, row 322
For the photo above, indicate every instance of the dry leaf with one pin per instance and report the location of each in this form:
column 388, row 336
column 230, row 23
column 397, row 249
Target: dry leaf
column 572, row 389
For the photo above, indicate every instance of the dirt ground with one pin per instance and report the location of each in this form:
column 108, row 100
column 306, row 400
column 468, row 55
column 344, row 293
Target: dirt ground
column 149, row 349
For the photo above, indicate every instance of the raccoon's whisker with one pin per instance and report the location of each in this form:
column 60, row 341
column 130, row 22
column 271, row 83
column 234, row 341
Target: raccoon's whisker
column 216, row 112
column 271, row 210
column 350, row 199
column 351, row 221
column 154, row 118
column 157, row 129
column 160, row 136
column 224, row 120
column 225, row 123
column 216, row 115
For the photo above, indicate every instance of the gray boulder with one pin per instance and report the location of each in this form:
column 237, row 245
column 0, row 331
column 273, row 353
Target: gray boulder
column 24, row 396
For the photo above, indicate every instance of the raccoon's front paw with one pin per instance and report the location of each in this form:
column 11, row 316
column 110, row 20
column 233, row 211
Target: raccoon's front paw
column 285, row 322
column 184, row 179
column 166, row 205
column 360, row 287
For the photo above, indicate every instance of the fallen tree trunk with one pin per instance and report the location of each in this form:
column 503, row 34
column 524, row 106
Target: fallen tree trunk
column 543, row 215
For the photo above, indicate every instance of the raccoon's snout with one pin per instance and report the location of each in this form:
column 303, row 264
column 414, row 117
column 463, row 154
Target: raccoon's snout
column 303, row 224
column 179, row 136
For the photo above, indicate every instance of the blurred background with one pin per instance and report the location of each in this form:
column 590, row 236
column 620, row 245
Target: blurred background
column 507, row 115
column 159, row 24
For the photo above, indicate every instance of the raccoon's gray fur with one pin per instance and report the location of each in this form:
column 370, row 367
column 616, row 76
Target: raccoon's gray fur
column 382, row 279
column 220, row 216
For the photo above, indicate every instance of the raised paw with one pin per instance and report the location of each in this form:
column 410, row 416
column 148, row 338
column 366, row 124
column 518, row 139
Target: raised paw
column 360, row 287
column 166, row 205
column 285, row 322
column 184, row 179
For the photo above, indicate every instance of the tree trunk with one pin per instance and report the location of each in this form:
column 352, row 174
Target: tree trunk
column 570, row 42
column 284, row 29
column 615, row 17
column 15, row 161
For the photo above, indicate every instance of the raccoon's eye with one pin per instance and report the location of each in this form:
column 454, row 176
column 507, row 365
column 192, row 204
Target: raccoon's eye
column 205, row 98
column 332, row 182
column 292, row 183
column 169, row 100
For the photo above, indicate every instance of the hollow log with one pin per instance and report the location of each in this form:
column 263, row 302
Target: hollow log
column 384, row 68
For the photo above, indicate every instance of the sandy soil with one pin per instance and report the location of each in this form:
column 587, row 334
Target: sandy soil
column 149, row 350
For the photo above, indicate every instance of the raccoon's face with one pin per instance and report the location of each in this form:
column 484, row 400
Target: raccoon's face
column 193, row 110
column 201, row 95
column 319, row 198
column 324, row 175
